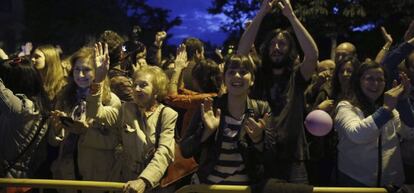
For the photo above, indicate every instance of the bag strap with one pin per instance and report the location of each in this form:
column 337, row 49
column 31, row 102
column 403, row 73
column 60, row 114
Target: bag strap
column 379, row 161
column 11, row 164
column 158, row 128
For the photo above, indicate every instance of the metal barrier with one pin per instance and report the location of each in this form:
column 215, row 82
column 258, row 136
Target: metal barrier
column 60, row 184
column 114, row 186
column 246, row 189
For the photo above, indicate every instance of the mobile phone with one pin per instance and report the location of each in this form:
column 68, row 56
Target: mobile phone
column 66, row 120
column 250, row 113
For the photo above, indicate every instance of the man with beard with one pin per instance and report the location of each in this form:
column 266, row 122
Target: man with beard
column 282, row 80
column 280, row 59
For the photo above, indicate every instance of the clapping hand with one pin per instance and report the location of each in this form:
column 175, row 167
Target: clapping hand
column 391, row 96
column 255, row 129
column 211, row 120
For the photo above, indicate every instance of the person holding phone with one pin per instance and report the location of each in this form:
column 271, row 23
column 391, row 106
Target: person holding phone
column 87, row 148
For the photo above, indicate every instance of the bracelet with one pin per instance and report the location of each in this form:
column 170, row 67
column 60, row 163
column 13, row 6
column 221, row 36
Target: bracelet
column 385, row 49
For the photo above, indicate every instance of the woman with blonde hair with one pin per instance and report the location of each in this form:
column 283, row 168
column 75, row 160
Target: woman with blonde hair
column 46, row 60
column 145, row 125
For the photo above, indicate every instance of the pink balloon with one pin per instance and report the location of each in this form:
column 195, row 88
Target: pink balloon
column 318, row 123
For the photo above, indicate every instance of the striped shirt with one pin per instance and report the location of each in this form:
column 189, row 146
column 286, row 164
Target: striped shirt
column 230, row 168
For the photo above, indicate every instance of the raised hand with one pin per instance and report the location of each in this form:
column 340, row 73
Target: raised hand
column 181, row 60
column 101, row 62
column 266, row 7
column 159, row 38
column 286, row 8
column 211, row 120
column 386, row 35
column 255, row 129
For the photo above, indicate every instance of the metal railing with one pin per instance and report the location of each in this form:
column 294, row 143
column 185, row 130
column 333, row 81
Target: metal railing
column 61, row 184
column 246, row 189
column 116, row 186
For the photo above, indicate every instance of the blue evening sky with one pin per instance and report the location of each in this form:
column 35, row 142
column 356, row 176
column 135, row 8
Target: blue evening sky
column 197, row 22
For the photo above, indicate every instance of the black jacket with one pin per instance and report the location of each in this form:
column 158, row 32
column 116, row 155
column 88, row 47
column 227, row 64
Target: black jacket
column 207, row 153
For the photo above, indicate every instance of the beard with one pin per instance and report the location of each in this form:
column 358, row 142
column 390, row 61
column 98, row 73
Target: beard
column 284, row 62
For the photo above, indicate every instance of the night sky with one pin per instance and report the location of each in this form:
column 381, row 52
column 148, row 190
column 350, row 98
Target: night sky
column 196, row 20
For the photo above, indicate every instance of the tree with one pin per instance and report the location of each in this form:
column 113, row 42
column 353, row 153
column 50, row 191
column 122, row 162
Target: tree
column 328, row 21
column 150, row 19
column 238, row 11
column 73, row 23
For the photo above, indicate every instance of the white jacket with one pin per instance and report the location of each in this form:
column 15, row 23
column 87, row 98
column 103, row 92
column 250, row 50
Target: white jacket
column 358, row 145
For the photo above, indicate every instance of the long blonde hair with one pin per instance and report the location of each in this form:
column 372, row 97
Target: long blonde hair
column 53, row 76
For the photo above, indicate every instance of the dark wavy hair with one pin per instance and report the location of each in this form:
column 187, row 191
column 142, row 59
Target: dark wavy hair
column 19, row 75
column 357, row 97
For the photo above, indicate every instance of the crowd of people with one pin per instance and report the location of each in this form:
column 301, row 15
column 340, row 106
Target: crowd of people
column 116, row 110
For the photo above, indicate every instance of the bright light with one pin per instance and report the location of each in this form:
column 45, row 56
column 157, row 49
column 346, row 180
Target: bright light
column 335, row 10
column 365, row 27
